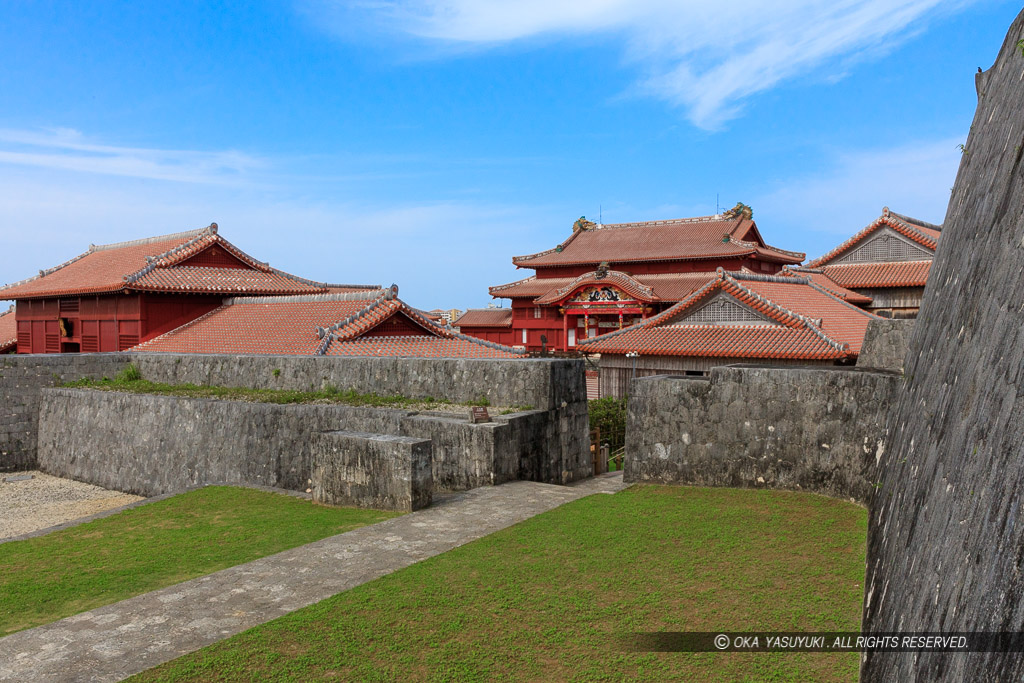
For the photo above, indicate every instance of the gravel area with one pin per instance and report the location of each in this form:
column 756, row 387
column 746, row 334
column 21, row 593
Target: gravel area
column 44, row 501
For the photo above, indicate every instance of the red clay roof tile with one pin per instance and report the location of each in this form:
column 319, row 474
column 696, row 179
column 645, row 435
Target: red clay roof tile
column 485, row 317
column 8, row 331
column 879, row 275
column 687, row 239
column 810, row 324
column 925, row 234
column 665, row 286
column 151, row 265
column 325, row 324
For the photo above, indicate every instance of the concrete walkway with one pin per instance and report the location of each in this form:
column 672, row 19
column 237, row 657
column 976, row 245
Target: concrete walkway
column 113, row 642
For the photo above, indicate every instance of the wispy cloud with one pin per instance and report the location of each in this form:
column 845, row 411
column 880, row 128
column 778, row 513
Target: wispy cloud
column 706, row 56
column 69, row 150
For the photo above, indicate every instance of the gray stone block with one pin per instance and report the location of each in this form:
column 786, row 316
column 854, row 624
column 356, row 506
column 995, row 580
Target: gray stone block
column 377, row 471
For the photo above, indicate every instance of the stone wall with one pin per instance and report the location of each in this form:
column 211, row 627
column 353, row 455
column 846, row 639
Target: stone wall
column 885, row 344
column 946, row 533
column 820, row 430
column 149, row 445
column 21, row 379
column 372, row 470
column 553, row 389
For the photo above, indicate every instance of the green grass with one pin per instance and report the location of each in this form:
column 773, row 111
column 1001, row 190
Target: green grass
column 544, row 600
column 129, row 380
column 156, row 545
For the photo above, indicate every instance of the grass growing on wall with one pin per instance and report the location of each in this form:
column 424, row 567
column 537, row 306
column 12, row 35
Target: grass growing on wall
column 156, row 545
column 546, row 599
column 129, row 380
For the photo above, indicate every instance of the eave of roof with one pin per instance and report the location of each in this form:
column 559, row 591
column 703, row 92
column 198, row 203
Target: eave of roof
column 880, row 275
column 925, row 234
column 642, row 336
column 722, row 244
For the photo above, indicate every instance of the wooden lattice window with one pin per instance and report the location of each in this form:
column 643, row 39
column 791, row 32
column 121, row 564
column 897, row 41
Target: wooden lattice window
column 69, row 305
column 52, row 343
column 723, row 311
column 90, row 343
column 885, row 248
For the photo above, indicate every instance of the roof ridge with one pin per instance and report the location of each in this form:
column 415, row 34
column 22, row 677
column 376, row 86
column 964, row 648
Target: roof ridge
column 760, row 277
column 306, row 298
column 713, row 218
column 889, row 218
column 913, row 221
column 211, row 228
column 773, row 307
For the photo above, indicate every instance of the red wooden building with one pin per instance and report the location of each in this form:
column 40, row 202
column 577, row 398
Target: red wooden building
column 115, row 296
column 607, row 277
column 735, row 318
column 366, row 323
column 887, row 263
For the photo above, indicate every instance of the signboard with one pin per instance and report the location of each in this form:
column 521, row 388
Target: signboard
column 478, row 414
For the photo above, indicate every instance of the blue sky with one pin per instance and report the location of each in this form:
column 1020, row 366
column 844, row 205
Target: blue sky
column 426, row 143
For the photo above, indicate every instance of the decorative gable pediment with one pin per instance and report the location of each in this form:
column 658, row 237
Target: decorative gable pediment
column 723, row 310
column 886, row 246
column 601, row 293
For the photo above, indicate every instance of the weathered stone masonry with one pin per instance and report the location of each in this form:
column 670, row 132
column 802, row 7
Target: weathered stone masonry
column 804, row 429
column 150, row 445
column 547, row 443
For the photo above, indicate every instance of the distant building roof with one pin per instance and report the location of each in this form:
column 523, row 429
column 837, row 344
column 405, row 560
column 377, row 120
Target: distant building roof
column 196, row 262
column 485, row 317
column 648, row 287
column 767, row 317
column 8, row 331
column 707, row 237
column 818, row 277
column 923, row 238
column 368, row 323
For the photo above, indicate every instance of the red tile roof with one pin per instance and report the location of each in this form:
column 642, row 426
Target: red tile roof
column 818, row 277
column 925, row 234
column 324, row 324
column 485, row 317
column 8, row 331
column 878, row 275
column 804, row 322
column 664, row 286
column 153, row 264
column 683, row 239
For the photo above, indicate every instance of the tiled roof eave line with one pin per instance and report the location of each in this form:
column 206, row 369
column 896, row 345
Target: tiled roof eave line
column 306, row 298
column 510, row 285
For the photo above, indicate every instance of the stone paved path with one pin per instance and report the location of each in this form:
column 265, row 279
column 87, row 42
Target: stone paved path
column 113, row 642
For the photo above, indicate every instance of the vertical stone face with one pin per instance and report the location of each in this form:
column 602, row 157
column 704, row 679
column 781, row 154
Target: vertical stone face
column 946, row 536
column 885, row 344
column 785, row 428
column 372, row 470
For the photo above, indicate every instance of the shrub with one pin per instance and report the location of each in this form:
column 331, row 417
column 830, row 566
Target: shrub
column 609, row 415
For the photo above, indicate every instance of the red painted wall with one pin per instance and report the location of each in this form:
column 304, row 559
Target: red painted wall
column 106, row 322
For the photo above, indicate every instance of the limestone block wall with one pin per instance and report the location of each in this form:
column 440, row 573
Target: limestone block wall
column 886, row 343
column 372, row 470
column 820, row 430
column 946, row 535
column 21, row 379
column 150, row 445
column 553, row 388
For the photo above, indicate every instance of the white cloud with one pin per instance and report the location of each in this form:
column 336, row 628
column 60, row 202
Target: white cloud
column 706, row 56
column 69, row 150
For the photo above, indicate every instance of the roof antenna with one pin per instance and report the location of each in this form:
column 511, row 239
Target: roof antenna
column 600, row 215
column 716, row 204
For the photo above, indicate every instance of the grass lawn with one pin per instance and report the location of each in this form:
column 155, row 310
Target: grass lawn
column 66, row 572
column 543, row 600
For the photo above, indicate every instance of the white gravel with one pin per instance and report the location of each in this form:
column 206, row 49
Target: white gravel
column 44, row 501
